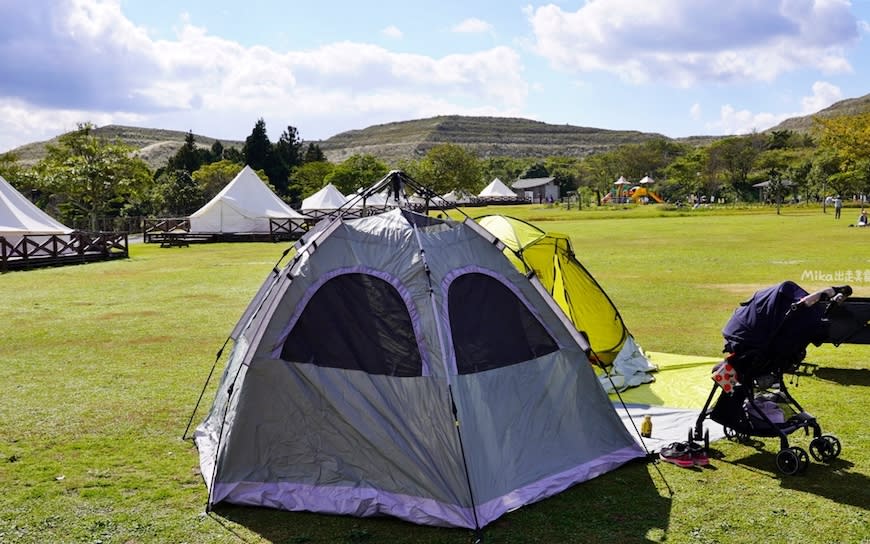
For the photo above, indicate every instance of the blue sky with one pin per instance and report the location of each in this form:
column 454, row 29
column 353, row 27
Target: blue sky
column 676, row 67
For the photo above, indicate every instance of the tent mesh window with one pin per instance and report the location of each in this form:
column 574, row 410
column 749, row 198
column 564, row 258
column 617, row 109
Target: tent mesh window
column 358, row 322
column 491, row 327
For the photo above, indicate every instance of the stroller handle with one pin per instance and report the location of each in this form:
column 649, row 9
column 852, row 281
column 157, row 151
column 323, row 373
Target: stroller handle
column 837, row 294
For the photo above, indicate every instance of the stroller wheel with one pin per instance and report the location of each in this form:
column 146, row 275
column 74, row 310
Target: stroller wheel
column 825, row 448
column 803, row 458
column 729, row 433
column 788, row 461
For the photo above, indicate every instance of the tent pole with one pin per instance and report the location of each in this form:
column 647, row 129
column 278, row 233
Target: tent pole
column 649, row 455
column 204, row 386
column 478, row 535
column 477, row 532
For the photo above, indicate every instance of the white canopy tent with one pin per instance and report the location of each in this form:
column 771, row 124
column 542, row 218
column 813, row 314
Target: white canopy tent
column 328, row 198
column 457, row 197
column 246, row 204
column 20, row 217
column 497, row 189
column 377, row 200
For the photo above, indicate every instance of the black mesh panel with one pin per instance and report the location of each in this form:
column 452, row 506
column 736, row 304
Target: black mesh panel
column 358, row 322
column 491, row 327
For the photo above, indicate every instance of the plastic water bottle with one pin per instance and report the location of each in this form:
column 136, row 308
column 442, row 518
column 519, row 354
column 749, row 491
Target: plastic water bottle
column 646, row 426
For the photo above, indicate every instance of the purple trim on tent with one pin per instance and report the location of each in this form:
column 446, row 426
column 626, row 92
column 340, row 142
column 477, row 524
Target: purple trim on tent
column 445, row 315
column 353, row 501
column 416, row 321
column 365, row 501
column 552, row 485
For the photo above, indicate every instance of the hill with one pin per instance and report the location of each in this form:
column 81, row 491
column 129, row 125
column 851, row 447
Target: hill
column 804, row 124
column 155, row 145
column 393, row 142
column 487, row 136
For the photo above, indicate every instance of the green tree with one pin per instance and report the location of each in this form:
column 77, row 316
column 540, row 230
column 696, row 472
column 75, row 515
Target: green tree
column 309, row 178
column 565, row 172
column 216, row 153
column 211, row 178
column 93, row 177
column 775, row 188
column 848, row 139
column 356, row 172
column 10, row 168
column 729, row 161
column 535, row 170
column 685, row 176
column 313, row 153
column 257, row 151
column 189, row 157
column 448, row 167
column 824, row 165
column 233, row 154
column 780, row 139
column 504, row 168
column 288, row 148
column 598, row 172
column 286, row 155
column 648, row 158
column 182, row 196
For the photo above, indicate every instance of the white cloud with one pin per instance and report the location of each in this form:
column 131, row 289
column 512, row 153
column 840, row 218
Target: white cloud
column 109, row 70
column 472, row 26
column 824, row 94
column 392, row 31
column 682, row 42
column 18, row 118
column 695, row 111
column 733, row 121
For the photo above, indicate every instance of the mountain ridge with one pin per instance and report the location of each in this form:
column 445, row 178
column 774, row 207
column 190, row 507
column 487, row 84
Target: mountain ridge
column 406, row 140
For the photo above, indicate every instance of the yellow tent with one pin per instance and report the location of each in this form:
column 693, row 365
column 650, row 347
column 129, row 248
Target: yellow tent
column 552, row 259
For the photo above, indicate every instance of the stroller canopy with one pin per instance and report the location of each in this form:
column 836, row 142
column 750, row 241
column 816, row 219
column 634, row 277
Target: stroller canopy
column 765, row 323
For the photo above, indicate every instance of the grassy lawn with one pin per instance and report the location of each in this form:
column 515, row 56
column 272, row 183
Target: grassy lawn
column 103, row 364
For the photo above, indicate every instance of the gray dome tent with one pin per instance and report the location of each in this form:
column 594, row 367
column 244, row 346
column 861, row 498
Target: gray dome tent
column 401, row 365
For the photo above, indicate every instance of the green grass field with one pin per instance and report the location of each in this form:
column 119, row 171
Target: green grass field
column 103, row 363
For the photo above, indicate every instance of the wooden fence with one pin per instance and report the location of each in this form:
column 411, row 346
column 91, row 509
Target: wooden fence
column 31, row 251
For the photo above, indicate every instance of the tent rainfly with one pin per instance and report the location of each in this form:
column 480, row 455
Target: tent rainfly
column 20, row 217
column 497, row 189
column 400, row 364
column 328, row 198
column 246, row 204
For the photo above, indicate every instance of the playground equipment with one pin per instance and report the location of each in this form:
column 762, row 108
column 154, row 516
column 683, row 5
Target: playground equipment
column 637, row 194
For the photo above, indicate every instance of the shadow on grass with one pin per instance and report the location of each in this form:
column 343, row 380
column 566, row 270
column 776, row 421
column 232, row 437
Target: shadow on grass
column 844, row 376
column 834, row 480
column 593, row 511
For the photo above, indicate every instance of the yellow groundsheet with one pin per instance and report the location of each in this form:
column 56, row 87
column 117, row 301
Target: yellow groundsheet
column 682, row 381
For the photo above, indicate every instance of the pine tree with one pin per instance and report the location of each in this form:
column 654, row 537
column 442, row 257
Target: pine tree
column 257, row 150
column 314, row 153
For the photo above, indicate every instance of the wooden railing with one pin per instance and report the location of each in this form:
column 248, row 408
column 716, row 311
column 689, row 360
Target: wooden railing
column 286, row 228
column 46, row 250
column 162, row 226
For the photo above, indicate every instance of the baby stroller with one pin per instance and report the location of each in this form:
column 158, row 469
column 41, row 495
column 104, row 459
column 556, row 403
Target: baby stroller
column 766, row 338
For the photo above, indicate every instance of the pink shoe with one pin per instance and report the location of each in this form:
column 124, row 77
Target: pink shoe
column 699, row 454
column 678, row 453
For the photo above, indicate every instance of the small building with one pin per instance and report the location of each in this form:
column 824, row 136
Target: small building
column 537, row 189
